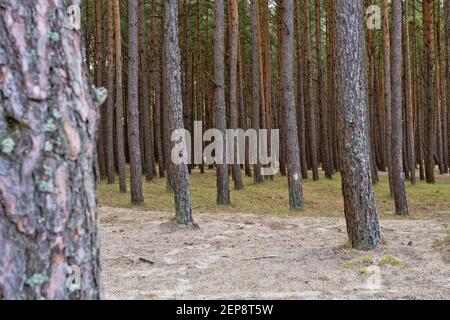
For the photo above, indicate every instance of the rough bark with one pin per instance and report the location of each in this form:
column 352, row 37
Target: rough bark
column 179, row 173
column 398, row 175
column 223, row 192
column 359, row 200
column 133, row 107
column 48, row 127
column 289, row 113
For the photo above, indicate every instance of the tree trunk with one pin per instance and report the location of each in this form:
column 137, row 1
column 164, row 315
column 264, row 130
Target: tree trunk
column 179, row 173
column 288, row 101
column 234, row 36
column 109, row 129
column 324, row 144
column 398, row 175
column 430, row 132
column 119, row 100
column 99, row 67
column 199, row 101
column 418, row 94
column 331, row 87
column 256, row 83
column 442, row 96
column 243, row 116
column 310, row 93
column 48, row 120
column 144, row 83
column 223, row 192
column 133, row 108
column 301, row 93
column 359, row 199
column 280, row 102
column 372, row 104
column 157, row 107
column 447, row 28
column 387, row 90
column 409, row 99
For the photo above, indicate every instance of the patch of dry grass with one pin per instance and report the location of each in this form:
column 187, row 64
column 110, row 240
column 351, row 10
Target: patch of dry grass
column 322, row 198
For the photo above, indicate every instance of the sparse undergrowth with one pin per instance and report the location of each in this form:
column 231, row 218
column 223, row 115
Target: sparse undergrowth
column 323, row 198
column 365, row 263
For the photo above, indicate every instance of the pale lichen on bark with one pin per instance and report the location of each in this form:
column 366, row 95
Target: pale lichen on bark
column 48, row 124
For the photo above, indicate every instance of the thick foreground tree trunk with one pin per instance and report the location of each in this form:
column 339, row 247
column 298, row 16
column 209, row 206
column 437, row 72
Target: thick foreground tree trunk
column 359, row 200
column 48, row 128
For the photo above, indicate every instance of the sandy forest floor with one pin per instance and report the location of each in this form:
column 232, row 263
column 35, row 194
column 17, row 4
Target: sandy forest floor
column 250, row 256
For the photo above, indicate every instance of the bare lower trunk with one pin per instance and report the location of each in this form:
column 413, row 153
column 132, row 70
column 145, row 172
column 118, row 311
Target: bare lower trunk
column 398, row 174
column 359, row 199
column 133, row 108
column 223, row 192
column 289, row 119
column 179, row 173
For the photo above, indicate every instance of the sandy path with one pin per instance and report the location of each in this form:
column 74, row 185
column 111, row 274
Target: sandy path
column 245, row 256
